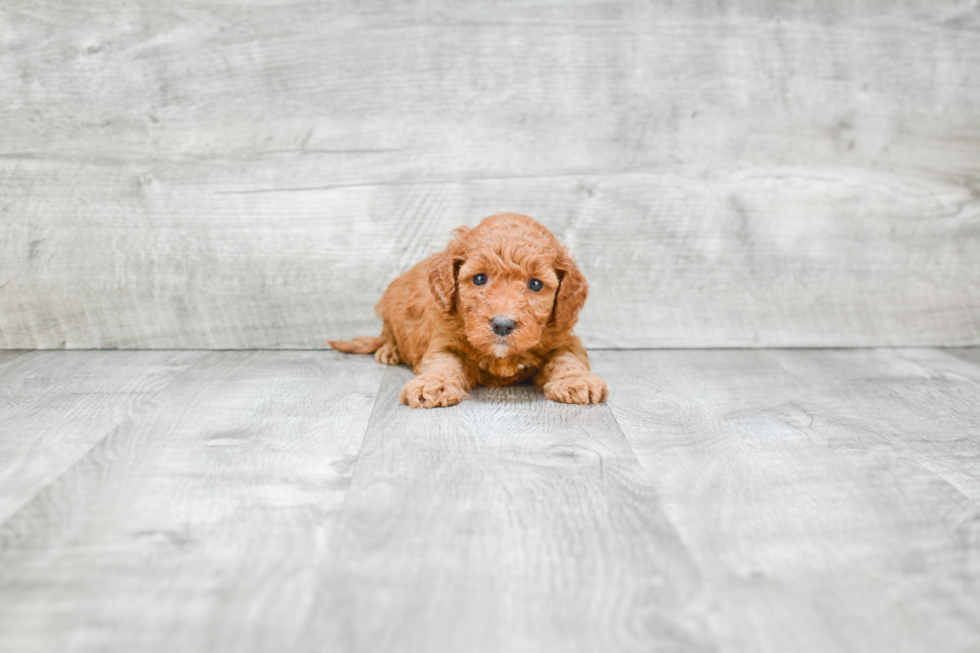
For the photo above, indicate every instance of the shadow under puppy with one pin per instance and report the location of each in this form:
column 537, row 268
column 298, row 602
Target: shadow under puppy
column 496, row 307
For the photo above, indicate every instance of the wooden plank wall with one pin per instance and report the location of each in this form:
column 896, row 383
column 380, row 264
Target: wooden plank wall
column 205, row 174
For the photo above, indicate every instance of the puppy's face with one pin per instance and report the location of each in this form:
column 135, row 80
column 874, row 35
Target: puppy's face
column 509, row 281
column 505, row 300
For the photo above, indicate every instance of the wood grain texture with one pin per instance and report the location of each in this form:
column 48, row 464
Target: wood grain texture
column 751, row 501
column 828, row 497
column 214, row 175
column 510, row 523
column 931, row 414
column 970, row 354
column 55, row 406
column 195, row 524
column 9, row 355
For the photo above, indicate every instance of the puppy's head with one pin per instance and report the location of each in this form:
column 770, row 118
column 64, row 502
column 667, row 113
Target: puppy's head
column 509, row 281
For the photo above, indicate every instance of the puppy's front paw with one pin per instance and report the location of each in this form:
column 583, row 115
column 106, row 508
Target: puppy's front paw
column 582, row 388
column 430, row 391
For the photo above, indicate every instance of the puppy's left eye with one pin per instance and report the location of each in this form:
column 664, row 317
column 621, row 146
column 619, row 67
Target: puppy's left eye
column 535, row 285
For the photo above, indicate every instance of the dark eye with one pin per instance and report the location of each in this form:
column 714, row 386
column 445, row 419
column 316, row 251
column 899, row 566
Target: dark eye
column 535, row 285
column 479, row 279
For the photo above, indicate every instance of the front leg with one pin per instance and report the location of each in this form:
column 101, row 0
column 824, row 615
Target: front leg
column 441, row 381
column 566, row 378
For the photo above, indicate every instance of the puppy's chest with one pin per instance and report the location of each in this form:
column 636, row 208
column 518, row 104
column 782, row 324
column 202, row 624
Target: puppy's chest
column 504, row 371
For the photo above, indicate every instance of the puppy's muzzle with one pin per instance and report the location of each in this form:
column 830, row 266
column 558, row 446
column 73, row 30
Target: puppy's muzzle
column 502, row 326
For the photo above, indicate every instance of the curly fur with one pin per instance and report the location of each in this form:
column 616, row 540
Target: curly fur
column 438, row 321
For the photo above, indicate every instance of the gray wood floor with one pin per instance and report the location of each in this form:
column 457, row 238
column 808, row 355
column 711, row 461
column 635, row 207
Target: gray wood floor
column 729, row 500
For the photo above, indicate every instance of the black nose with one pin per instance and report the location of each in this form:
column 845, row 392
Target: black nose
column 502, row 325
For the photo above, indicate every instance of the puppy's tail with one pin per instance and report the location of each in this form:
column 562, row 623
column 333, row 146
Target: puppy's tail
column 362, row 345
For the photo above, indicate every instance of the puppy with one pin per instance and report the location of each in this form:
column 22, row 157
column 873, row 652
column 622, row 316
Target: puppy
column 496, row 307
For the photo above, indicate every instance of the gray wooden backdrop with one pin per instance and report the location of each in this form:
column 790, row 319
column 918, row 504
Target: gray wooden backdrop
column 210, row 174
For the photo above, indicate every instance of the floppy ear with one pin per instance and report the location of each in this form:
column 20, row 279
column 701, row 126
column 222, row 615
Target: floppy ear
column 572, row 291
column 443, row 270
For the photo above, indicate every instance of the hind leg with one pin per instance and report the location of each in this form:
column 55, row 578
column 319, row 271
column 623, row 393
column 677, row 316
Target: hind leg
column 388, row 353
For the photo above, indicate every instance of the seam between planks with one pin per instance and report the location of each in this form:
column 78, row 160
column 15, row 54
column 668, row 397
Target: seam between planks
column 367, row 429
column 109, row 432
column 608, row 407
column 953, row 358
column 342, row 508
column 897, row 447
column 17, row 354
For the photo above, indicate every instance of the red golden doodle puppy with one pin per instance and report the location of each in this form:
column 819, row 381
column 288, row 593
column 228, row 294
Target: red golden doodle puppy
column 496, row 307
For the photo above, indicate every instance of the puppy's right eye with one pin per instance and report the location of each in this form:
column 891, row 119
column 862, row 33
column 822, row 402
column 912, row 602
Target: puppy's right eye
column 479, row 279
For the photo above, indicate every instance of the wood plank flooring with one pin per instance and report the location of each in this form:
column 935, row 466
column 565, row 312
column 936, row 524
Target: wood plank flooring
column 55, row 406
column 722, row 500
